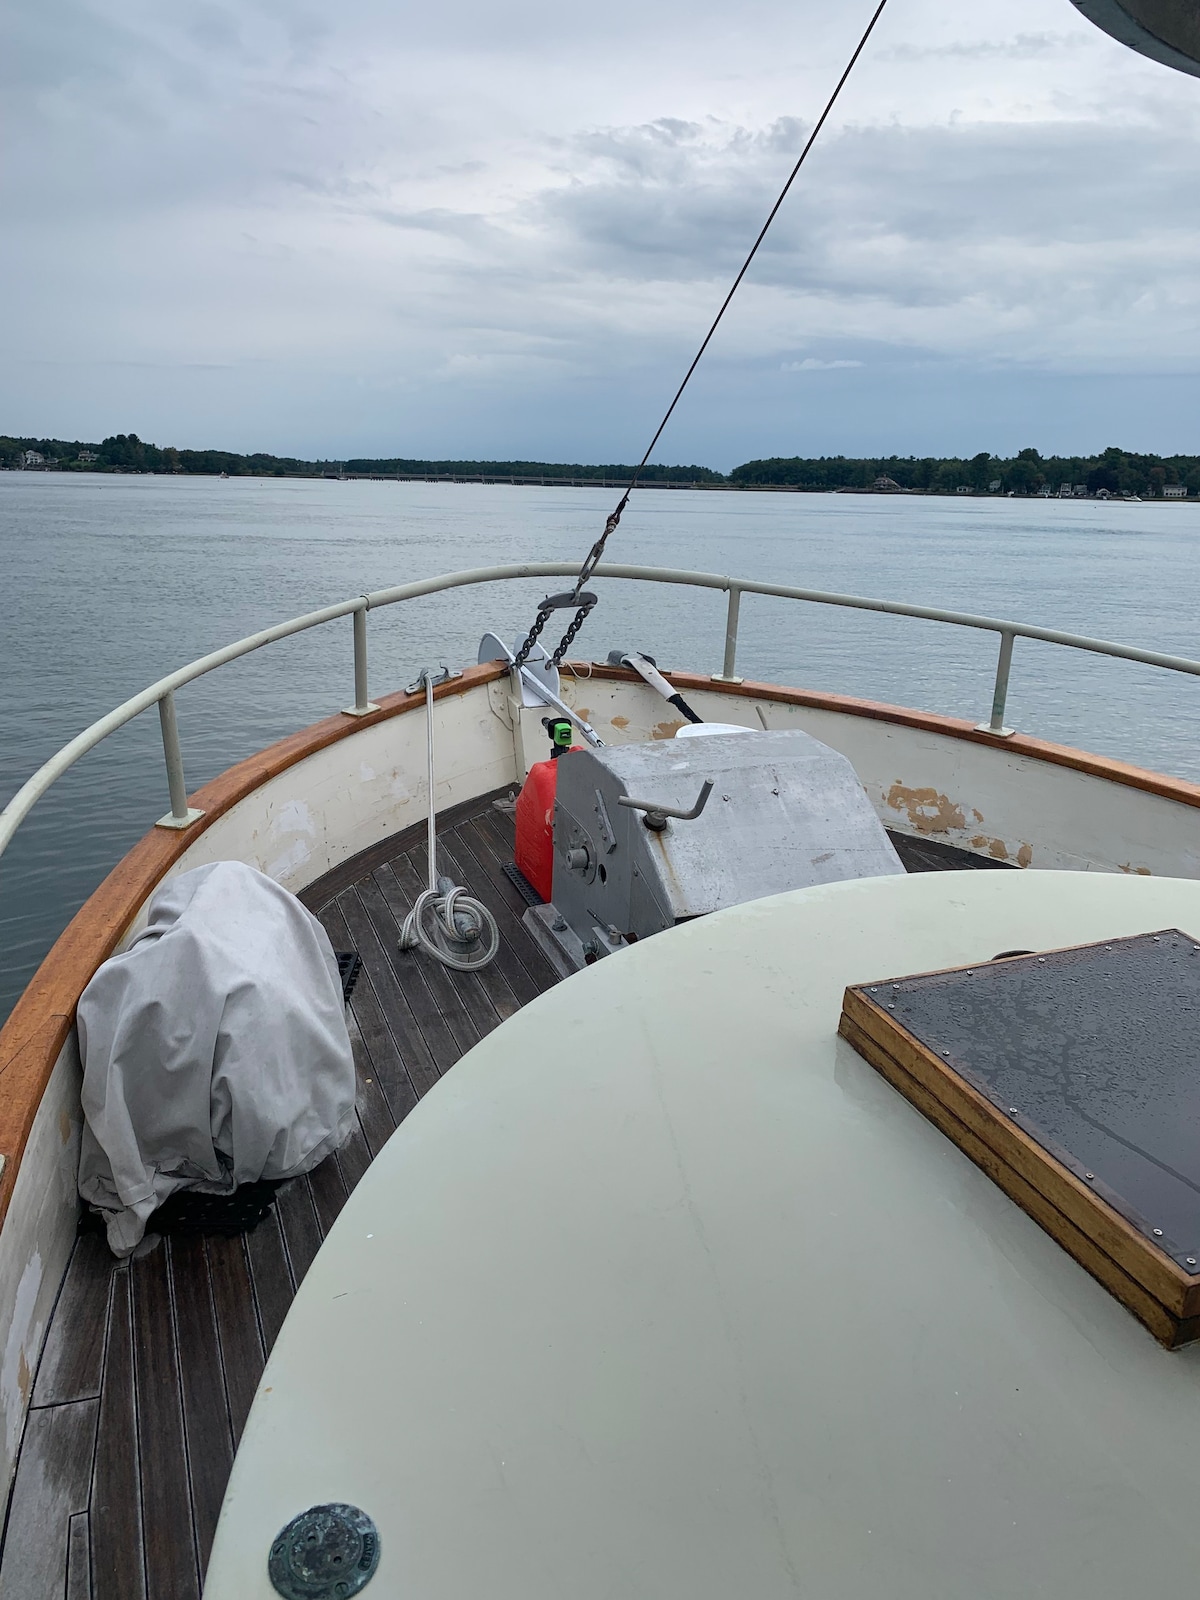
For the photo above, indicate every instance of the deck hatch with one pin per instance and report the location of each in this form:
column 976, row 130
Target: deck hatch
column 1073, row 1078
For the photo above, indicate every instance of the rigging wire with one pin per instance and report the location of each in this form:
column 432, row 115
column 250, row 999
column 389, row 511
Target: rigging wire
column 576, row 596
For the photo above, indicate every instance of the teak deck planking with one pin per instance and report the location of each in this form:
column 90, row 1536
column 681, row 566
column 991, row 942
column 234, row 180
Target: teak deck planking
column 150, row 1365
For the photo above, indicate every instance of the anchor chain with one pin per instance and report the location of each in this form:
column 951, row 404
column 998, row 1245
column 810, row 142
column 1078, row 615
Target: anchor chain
column 531, row 638
column 568, row 638
column 557, row 602
column 585, row 602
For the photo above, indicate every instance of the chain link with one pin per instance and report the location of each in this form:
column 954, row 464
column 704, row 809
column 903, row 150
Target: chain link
column 556, row 602
column 585, row 572
column 568, row 638
column 531, row 638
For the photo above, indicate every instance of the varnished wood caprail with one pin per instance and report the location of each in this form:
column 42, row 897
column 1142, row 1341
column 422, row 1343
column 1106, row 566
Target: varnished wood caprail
column 162, row 693
column 1017, row 744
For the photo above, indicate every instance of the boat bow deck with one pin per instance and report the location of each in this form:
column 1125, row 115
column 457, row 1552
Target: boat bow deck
column 150, row 1365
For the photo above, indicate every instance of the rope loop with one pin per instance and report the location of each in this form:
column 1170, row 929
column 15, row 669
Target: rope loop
column 453, row 927
column 461, row 932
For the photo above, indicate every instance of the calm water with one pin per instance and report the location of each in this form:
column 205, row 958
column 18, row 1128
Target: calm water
column 110, row 582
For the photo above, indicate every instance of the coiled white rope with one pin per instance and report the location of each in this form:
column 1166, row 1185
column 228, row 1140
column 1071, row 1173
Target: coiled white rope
column 454, row 927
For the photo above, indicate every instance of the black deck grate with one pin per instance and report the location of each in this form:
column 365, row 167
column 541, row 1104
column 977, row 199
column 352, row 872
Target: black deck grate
column 521, row 884
column 1094, row 1053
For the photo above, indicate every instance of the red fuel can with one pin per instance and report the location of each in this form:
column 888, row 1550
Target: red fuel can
column 535, row 826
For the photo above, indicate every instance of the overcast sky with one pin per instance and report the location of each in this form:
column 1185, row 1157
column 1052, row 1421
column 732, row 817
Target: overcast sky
column 487, row 230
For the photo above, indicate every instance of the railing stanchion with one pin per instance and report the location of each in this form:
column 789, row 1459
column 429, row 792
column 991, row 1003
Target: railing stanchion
column 181, row 815
column 1000, row 693
column 159, row 692
column 727, row 673
column 362, row 700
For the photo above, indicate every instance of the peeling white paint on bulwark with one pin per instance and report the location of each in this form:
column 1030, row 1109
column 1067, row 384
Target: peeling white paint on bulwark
column 287, row 864
column 16, row 1375
column 292, row 821
column 367, row 774
column 293, row 816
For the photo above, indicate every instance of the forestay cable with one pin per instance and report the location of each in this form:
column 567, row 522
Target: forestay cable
column 576, row 596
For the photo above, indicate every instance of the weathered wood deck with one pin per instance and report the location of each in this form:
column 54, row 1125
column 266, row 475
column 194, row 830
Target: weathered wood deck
column 150, row 1365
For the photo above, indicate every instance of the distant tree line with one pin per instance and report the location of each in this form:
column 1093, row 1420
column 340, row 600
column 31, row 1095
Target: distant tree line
column 125, row 452
column 533, row 469
column 1114, row 471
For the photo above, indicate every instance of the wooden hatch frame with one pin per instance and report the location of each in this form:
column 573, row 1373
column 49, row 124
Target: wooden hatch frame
column 1143, row 1277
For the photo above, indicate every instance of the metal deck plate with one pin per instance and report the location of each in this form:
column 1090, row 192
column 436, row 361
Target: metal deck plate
column 1094, row 1053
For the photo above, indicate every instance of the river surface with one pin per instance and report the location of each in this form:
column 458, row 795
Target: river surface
column 110, row 582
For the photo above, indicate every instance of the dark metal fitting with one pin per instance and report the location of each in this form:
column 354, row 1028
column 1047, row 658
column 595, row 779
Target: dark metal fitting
column 656, row 815
column 325, row 1553
column 569, row 602
column 618, row 658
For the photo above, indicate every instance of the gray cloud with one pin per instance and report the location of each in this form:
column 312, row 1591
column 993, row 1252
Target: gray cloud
column 993, row 238
column 1021, row 47
column 814, row 364
column 429, row 229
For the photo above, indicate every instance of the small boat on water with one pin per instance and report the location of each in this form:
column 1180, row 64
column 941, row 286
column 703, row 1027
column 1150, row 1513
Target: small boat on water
column 771, row 1167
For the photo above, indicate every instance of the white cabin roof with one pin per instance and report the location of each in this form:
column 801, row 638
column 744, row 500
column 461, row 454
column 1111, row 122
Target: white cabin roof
column 664, row 1292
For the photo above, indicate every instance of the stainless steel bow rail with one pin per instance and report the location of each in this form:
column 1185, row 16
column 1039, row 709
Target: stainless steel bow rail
column 162, row 693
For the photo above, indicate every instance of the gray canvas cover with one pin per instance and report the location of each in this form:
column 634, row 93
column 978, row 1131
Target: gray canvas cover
column 215, row 1049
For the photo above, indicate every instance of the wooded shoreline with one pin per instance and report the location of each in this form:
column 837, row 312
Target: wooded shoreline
column 1112, row 474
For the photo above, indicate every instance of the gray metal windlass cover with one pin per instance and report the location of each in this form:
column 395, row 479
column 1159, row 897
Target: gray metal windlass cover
column 785, row 812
